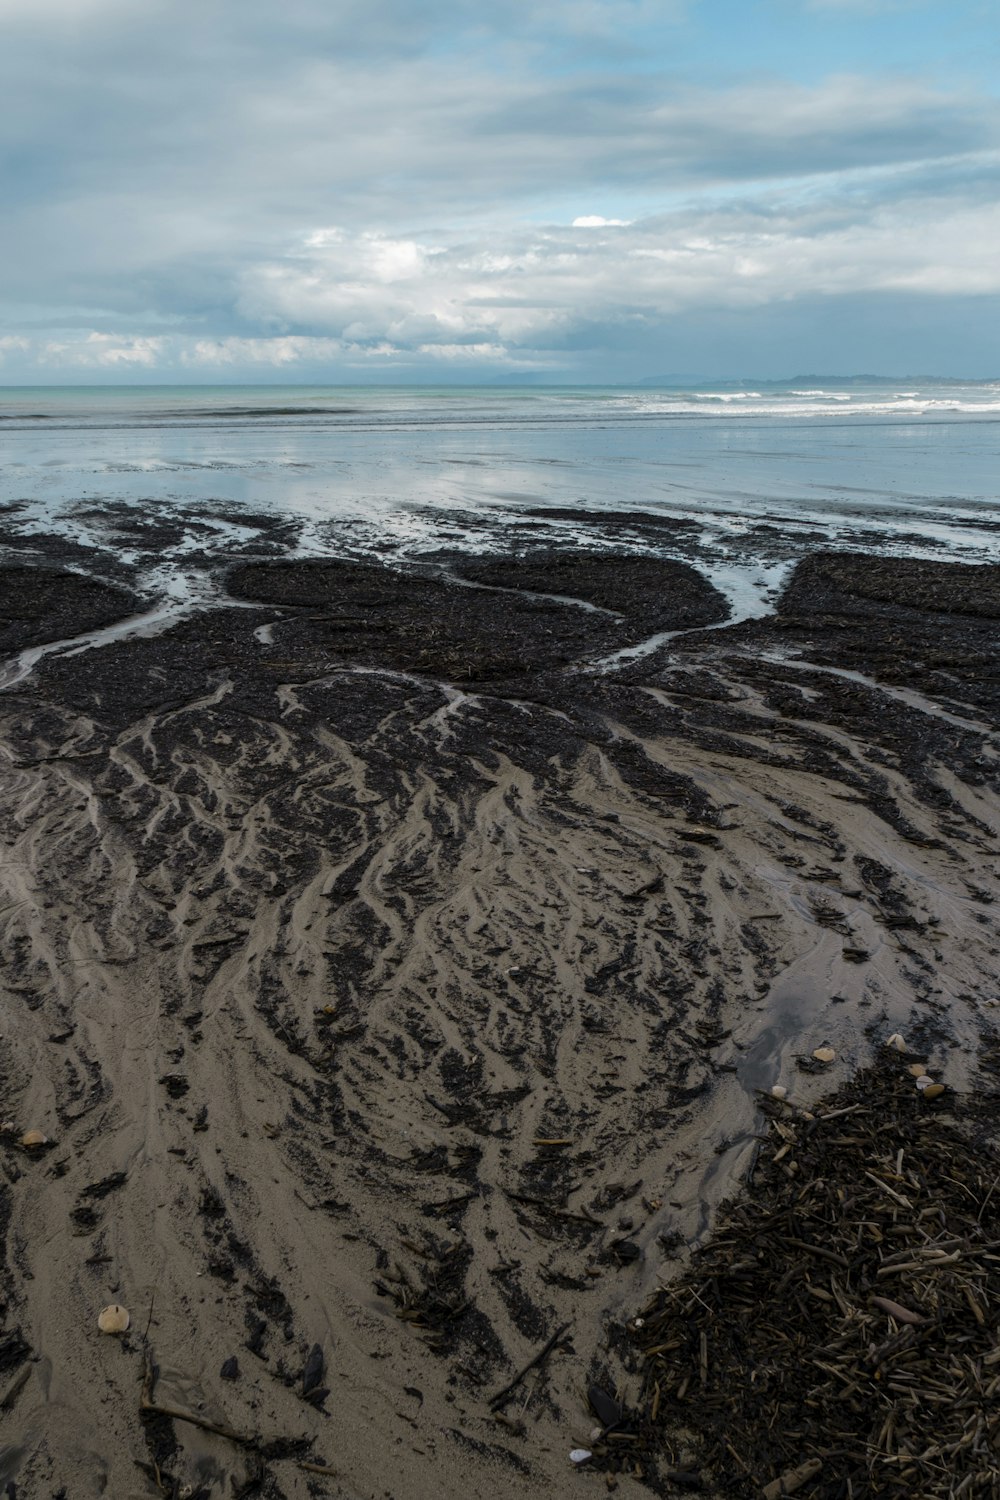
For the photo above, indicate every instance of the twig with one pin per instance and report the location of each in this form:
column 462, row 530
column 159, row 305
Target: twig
column 830, row 1255
column 146, row 1403
column 989, row 1195
column 150, row 1318
column 536, row 1359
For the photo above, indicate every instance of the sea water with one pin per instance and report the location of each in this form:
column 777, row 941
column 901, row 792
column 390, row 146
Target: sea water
column 764, row 473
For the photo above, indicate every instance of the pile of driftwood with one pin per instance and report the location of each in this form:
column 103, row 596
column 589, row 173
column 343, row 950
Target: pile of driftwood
column 839, row 1335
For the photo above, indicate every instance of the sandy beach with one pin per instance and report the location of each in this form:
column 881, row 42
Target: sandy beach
column 391, row 960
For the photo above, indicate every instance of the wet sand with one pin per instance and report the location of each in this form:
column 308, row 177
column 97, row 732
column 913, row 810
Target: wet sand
column 390, row 976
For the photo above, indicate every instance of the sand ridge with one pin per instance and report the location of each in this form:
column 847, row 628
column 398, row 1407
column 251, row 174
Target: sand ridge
column 415, row 1015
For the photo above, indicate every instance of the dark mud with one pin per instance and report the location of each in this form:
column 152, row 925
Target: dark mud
column 851, row 583
column 384, row 617
column 650, row 592
column 49, row 604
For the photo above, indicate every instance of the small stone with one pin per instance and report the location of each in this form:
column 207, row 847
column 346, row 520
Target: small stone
column 778, row 1091
column 114, row 1319
column 32, row 1138
column 230, row 1369
column 933, row 1090
column 824, row 1054
column 580, row 1455
column 916, row 1070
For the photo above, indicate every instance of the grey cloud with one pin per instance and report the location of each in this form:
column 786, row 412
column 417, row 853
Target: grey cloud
column 167, row 168
column 527, row 293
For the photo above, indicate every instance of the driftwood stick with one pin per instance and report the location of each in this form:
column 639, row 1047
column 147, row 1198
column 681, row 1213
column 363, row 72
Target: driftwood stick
column 536, row 1359
column 176, row 1414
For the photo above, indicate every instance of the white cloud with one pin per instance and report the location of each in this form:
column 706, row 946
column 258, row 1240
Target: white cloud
column 280, row 351
column 104, row 351
column 513, row 299
column 594, row 221
column 517, row 288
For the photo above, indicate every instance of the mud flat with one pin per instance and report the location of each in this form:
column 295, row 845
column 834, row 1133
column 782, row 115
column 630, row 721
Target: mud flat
column 392, row 985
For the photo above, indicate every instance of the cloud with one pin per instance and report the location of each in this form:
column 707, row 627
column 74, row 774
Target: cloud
column 201, row 185
column 162, row 200
column 522, row 298
column 101, row 351
column 520, row 287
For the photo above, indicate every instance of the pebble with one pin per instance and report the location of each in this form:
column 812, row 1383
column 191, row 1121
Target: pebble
column 824, row 1054
column 34, row 1138
column 580, row 1455
column 933, row 1090
column 916, row 1070
column 779, row 1091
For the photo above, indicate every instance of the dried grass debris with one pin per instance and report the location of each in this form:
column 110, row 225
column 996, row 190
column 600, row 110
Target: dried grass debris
column 843, row 1321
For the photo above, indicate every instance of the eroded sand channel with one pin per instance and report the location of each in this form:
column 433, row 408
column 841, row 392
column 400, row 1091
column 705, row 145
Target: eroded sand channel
column 442, row 988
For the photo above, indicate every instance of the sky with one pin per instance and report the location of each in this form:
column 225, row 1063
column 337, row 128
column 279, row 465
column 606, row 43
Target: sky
column 599, row 191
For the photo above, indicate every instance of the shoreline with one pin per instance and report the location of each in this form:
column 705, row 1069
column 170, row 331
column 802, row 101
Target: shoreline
column 416, row 978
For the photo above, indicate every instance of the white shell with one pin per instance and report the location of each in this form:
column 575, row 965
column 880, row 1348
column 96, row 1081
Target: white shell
column 779, row 1091
column 580, row 1455
column 897, row 1042
column 923, row 1082
column 113, row 1319
column 34, row 1138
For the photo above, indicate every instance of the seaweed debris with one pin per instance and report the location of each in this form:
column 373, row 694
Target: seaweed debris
column 839, row 1335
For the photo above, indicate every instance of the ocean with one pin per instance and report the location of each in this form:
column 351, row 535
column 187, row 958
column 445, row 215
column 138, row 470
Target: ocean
column 764, row 472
